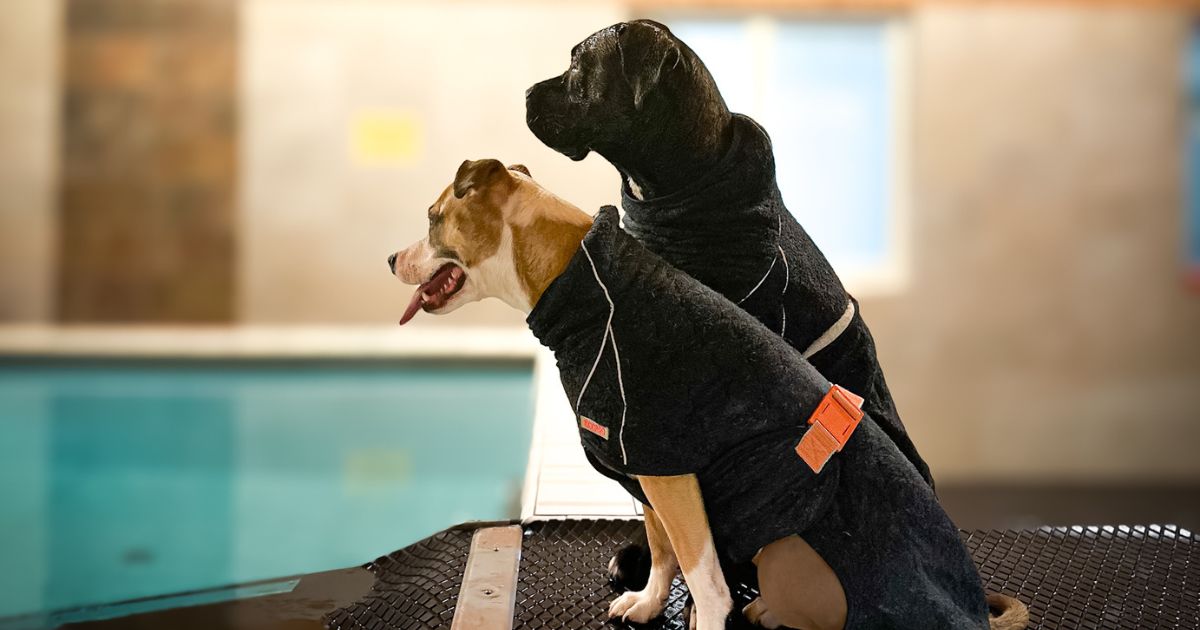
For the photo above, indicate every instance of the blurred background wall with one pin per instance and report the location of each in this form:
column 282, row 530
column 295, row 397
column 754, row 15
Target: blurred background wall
column 356, row 115
column 271, row 153
column 29, row 41
column 1047, row 305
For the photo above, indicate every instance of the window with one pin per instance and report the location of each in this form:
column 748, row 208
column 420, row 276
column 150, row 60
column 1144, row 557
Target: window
column 830, row 95
column 1192, row 211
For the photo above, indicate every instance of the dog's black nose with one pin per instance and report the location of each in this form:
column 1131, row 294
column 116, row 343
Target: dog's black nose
column 392, row 263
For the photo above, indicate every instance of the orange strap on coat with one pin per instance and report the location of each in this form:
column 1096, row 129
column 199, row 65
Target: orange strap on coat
column 830, row 426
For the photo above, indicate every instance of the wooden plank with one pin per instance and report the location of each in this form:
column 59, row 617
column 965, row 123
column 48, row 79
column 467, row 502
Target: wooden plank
column 489, row 588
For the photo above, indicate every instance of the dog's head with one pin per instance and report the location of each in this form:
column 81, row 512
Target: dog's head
column 628, row 77
column 487, row 233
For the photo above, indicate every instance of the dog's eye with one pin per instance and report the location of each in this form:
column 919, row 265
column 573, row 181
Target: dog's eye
column 575, row 81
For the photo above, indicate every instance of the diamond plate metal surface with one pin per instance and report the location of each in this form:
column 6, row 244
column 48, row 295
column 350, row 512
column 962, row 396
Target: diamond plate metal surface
column 1107, row 578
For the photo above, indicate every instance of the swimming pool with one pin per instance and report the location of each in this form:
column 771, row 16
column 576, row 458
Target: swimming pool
column 123, row 479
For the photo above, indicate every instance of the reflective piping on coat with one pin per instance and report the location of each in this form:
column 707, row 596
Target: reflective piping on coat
column 608, row 335
column 760, row 282
column 787, row 270
column 831, row 333
column 787, row 277
column 779, row 235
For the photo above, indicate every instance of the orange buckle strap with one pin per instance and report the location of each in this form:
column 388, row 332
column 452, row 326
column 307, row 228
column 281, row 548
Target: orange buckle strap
column 830, row 427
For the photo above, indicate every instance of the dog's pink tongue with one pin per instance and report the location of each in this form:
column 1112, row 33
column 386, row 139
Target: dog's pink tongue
column 413, row 306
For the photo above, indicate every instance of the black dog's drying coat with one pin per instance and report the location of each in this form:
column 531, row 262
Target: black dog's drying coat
column 668, row 378
column 732, row 232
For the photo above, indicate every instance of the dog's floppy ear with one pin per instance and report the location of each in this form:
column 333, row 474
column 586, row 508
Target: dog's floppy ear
column 476, row 174
column 520, row 168
column 647, row 50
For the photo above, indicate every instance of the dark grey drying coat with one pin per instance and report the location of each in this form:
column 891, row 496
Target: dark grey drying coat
column 732, row 232
column 683, row 381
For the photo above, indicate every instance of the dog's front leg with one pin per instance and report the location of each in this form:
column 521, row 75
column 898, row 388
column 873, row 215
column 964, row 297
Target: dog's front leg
column 680, row 509
column 646, row 604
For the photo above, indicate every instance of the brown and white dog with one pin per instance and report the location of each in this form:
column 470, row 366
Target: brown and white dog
column 494, row 232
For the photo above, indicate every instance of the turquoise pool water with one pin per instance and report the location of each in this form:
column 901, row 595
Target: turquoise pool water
column 123, row 480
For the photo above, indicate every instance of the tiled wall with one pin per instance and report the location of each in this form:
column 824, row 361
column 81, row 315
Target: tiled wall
column 148, row 145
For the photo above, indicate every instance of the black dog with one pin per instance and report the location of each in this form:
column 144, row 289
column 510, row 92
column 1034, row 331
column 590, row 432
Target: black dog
column 699, row 189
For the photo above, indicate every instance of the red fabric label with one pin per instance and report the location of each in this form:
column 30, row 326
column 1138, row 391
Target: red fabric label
column 593, row 426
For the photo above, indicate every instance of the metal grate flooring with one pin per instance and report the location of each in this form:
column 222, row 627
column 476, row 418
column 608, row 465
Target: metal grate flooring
column 1095, row 577
column 415, row 588
column 1133, row 577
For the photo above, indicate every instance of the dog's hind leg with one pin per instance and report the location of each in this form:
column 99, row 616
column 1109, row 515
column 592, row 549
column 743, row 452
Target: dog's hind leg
column 798, row 587
column 646, row 604
column 680, row 508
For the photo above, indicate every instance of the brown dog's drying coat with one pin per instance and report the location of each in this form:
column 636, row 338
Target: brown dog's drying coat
column 731, row 231
column 668, row 377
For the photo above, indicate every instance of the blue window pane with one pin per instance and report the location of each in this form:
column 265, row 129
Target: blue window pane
column 827, row 111
column 1193, row 149
column 727, row 51
column 823, row 91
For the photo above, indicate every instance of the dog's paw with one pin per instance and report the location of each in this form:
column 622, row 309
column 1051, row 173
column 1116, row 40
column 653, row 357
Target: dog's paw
column 629, row 568
column 636, row 606
column 709, row 621
column 756, row 613
column 712, row 617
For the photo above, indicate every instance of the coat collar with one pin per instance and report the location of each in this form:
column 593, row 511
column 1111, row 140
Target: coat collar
column 575, row 301
column 741, row 180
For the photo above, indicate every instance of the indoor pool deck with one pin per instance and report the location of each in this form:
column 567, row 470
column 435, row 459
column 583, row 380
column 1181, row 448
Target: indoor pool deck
column 548, row 574
column 265, row 342
column 547, row 570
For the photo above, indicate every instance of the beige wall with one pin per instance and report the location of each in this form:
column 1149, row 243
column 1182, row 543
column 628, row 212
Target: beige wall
column 1047, row 332
column 317, row 223
column 29, row 36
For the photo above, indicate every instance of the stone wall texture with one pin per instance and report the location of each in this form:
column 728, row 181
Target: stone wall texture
column 148, row 171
